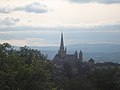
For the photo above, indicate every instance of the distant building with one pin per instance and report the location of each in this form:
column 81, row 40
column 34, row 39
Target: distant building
column 91, row 61
column 62, row 55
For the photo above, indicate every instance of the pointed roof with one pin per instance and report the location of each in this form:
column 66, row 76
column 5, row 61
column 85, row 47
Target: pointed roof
column 80, row 51
column 62, row 42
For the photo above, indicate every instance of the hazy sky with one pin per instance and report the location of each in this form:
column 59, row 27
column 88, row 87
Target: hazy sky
column 40, row 22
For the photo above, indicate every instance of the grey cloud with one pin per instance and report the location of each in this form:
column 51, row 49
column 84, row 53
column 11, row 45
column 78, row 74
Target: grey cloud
column 97, row 1
column 82, row 35
column 35, row 7
column 5, row 10
column 102, row 28
column 9, row 21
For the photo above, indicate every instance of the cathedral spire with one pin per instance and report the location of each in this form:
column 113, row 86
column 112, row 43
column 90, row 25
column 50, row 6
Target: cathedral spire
column 62, row 42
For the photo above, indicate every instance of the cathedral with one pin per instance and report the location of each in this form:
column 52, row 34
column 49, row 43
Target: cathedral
column 62, row 55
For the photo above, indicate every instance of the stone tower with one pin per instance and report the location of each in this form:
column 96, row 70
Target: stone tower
column 76, row 55
column 81, row 56
column 62, row 51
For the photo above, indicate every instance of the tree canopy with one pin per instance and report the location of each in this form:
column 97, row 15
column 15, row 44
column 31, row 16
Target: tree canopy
column 28, row 69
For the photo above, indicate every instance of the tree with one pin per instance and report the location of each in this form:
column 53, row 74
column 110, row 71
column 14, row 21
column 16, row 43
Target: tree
column 107, row 79
column 24, row 69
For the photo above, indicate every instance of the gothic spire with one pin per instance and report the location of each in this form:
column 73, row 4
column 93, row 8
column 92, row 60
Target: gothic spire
column 62, row 42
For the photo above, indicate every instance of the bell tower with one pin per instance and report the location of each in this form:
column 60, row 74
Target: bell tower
column 81, row 56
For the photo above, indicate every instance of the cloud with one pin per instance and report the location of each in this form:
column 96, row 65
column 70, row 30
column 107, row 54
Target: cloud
column 5, row 10
column 15, row 42
column 35, row 7
column 72, row 29
column 51, row 36
column 97, row 1
column 9, row 21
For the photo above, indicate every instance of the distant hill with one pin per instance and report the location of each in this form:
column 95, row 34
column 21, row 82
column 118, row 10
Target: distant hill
column 96, row 47
column 99, row 52
column 85, row 47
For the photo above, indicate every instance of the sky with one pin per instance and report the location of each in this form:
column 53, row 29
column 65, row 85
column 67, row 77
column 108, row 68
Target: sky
column 40, row 22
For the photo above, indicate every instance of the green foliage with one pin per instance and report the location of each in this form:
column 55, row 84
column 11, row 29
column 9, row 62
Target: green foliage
column 107, row 79
column 24, row 69
column 28, row 69
column 77, row 77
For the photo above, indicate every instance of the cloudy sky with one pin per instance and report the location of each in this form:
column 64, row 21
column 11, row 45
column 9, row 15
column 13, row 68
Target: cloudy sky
column 40, row 22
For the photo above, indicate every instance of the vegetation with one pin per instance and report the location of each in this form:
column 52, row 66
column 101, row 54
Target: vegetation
column 24, row 69
column 28, row 69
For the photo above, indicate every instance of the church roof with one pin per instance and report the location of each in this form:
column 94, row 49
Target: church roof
column 70, row 56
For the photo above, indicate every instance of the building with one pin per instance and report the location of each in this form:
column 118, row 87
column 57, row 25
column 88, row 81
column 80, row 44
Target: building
column 62, row 55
